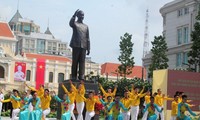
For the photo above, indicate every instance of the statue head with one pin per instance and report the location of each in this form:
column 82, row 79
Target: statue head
column 80, row 15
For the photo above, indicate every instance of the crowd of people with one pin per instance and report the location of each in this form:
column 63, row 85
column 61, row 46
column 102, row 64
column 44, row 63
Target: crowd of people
column 35, row 104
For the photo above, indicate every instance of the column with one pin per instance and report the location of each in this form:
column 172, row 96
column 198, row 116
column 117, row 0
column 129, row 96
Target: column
column 9, row 65
column 33, row 72
column 55, row 72
column 46, row 72
column 67, row 73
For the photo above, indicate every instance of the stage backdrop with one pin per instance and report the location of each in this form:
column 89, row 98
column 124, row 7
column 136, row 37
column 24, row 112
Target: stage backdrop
column 20, row 71
column 170, row 81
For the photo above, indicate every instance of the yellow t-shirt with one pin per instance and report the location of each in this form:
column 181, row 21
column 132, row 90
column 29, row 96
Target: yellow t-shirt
column 174, row 106
column 45, row 102
column 71, row 95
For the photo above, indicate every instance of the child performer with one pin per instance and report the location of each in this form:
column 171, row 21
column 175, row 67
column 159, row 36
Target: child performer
column 109, row 92
column 72, row 95
column 182, row 107
column 36, row 114
column 147, row 101
column 126, row 102
column 90, row 104
column 15, row 100
column 79, row 99
column 115, row 107
column 1, row 98
column 106, row 105
column 66, row 114
column 45, row 103
column 135, row 104
column 174, row 106
column 151, row 110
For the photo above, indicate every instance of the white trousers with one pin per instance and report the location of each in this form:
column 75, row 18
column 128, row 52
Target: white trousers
column 15, row 112
column 1, row 104
column 173, row 118
column 71, row 109
column 134, row 112
column 161, row 114
column 89, row 115
column 80, row 107
column 126, row 115
column 145, row 115
column 46, row 112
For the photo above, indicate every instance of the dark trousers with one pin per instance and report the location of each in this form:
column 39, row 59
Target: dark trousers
column 78, row 60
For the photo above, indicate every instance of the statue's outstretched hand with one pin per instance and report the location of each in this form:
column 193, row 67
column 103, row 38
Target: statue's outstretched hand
column 75, row 14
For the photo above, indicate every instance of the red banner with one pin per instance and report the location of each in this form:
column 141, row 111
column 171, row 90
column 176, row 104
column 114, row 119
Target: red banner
column 40, row 72
column 20, row 71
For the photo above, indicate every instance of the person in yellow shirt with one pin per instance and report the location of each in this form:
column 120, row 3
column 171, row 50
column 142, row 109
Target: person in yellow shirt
column 174, row 106
column 40, row 91
column 45, row 103
column 126, row 102
column 79, row 99
column 147, row 101
column 109, row 92
column 15, row 100
column 135, row 104
column 72, row 95
column 90, row 104
column 159, row 100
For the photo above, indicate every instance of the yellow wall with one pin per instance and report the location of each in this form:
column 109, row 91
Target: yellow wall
column 160, row 81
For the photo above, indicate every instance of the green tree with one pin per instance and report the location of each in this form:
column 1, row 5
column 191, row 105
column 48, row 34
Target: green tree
column 125, row 57
column 194, row 54
column 159, row 58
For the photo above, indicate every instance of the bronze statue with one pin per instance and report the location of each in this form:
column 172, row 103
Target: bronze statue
column 80, row 43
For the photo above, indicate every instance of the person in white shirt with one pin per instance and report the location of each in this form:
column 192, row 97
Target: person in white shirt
column 1, row 98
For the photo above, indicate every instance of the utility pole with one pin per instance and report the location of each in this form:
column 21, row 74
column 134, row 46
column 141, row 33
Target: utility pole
column 146, row 41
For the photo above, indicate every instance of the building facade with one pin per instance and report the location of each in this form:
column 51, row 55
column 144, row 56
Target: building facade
column 178, row 21
column 31, row 40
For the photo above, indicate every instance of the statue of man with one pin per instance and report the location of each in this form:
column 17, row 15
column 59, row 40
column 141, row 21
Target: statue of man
column 80, row 44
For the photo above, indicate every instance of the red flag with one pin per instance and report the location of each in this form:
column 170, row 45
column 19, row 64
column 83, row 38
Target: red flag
column 20, row 71
column 40, row 72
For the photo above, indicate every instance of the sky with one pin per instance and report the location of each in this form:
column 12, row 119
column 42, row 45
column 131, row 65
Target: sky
column 107, row 21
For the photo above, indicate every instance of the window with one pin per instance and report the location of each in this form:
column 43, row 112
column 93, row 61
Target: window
column 2, row 72
column 28, row 75
column 186, row 11
column 179, row 36
column 60, row 77
column 50, row 77
column 178, row 60
column 180, row 12
column 40, row 46
column 185, row 34
column 185, row 57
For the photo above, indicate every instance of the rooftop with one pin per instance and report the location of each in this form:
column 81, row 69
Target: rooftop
column 48, row 57
column 5, row 31
column 110, row 69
